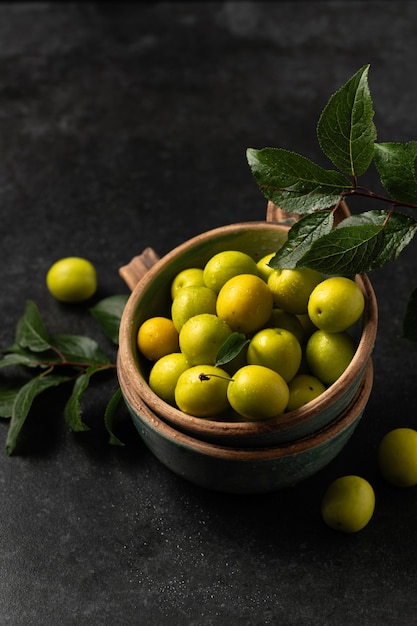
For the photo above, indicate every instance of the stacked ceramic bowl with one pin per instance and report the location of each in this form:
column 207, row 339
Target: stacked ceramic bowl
column 237, row 457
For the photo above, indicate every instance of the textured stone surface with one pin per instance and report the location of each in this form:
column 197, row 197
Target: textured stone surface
column 125, row 126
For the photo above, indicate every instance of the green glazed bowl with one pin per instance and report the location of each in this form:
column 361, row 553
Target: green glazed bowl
column 244, row 470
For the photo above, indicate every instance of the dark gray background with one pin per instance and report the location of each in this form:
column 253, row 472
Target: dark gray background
column 124, row 126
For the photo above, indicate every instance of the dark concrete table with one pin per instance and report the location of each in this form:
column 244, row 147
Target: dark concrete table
column 125, row 126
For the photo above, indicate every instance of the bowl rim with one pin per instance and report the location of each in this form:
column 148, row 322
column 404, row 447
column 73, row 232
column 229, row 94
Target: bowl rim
column 212, row 427
column 186, row 441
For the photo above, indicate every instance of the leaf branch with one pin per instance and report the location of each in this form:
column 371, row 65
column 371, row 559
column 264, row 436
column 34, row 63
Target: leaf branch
column 348, row 138
column 55, row 359
column 365, row 192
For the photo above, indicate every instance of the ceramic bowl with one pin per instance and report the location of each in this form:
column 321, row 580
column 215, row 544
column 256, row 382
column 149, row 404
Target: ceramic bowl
column 150, row 278
column 244, row 470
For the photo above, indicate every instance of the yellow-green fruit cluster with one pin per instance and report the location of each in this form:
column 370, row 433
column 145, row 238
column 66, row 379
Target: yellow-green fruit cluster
column 296, row 327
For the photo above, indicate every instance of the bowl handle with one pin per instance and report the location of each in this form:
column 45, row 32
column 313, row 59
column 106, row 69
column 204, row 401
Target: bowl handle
column 138, row 266
column 274, row 213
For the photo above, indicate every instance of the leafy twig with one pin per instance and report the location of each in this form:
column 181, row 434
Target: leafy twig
column 79, row 358
column 347, row 136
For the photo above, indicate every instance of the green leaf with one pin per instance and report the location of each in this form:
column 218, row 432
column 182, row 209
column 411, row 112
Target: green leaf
column 293, row 182
column 79, row 349
column 72, row 409
column 108, row 313
column 396, row 165
column 23, row 402
column 361, row 243
column 233, row 345
column 300, row 238
column 109, row 413
column 397, row 232
column 30, row 330
column 7, row 398
column 410, row 318
column 345, row 130
column 345, row 251
column 23, row 358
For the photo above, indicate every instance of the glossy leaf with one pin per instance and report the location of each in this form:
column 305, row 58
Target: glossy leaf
column 109, row 414
column 21, row 358
column 345, row 251
column 108, row 313
column 23, row 402
column 361, row 243
column 396, row 165
column 345, row 130
column 7, row 398
column 233, row 345
column 300, row 238
column 30, row 330
column 79, row 349
column 398, row 230
column 293, row 182
column 72, row 410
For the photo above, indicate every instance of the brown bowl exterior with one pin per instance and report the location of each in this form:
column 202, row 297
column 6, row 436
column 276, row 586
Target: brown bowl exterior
column 247, row 470
column 151, row 296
